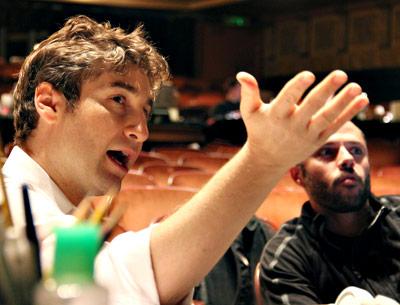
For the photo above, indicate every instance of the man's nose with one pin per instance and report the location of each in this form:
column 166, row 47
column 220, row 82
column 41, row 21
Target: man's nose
column 345, row 159
column 137, row 130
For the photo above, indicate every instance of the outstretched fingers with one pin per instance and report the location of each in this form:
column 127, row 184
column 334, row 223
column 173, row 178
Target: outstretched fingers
column 354, row 107
column 319, row 95
column 329, row 112
column 322, row 112
column 285, row 103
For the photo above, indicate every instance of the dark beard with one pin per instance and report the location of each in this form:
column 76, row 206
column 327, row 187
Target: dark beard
column 336, row 201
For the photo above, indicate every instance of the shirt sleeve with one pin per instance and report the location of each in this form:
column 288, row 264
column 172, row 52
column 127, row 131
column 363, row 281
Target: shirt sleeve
column 124, row 267
column 284, row 278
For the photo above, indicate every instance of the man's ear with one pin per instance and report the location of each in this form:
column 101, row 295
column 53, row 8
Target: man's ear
column 296, row 174
column 49, row 102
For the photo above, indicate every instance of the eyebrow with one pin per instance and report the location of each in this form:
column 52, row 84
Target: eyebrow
column 345, row 142
column 126, row 86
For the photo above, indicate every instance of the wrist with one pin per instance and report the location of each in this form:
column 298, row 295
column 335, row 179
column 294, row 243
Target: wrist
column 260, row 160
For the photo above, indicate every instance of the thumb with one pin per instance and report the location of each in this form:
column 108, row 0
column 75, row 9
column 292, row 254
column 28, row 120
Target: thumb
column 250, row 94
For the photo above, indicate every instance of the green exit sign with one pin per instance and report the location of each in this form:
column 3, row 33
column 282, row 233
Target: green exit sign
column 238, row 21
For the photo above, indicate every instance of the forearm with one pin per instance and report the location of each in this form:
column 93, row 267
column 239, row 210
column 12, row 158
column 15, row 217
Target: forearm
column 197, row 235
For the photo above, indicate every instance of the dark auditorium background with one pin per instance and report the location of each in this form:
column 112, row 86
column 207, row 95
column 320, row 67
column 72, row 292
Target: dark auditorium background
column 206, row 41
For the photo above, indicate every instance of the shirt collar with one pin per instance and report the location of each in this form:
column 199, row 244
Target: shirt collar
column 22, row 168
column 316, row 223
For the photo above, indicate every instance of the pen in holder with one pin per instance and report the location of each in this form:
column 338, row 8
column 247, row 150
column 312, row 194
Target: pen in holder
column 31, row 232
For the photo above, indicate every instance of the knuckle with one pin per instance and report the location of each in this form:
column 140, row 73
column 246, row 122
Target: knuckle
column 291, row 97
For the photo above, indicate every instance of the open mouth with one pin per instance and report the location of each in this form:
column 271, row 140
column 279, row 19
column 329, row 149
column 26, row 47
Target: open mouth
column 118, row 157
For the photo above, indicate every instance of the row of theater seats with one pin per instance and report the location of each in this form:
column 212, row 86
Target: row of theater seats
column 165, row 178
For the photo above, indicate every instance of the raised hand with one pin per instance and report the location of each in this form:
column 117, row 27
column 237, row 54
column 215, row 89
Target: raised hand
column 291, row 127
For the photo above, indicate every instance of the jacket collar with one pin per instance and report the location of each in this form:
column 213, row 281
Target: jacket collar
column 316, row 223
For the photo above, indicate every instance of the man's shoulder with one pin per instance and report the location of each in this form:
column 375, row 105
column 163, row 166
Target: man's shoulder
column 291, row 246
column 290, row 233
column 392, row 201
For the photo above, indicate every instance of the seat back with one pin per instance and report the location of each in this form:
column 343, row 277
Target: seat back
column 207, row 163
column 135, row 179
column 282, row 205
column 222, row 148
column 194, row 179
column 385, row 183
column 161, row 173
column 175, row 153
column 147, row 205
column 388, row 171
column 145, row 157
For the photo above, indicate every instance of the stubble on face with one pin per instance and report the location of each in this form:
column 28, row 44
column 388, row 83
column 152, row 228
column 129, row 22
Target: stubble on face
column 335, row 198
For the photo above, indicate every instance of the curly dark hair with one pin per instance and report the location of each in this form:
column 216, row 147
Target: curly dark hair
column 82, row 49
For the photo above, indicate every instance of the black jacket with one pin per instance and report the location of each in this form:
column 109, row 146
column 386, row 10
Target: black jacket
column 306, row 264
column 230, row 282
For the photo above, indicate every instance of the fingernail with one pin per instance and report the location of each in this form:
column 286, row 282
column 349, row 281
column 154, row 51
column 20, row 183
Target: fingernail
column 307, row 77
column 339, row 77
column 364, row 100
column 355, row 89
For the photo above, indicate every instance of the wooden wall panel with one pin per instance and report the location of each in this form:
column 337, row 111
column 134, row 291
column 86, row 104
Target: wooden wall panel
column 395, row 26
column 328, row 43
column 367, row 29
column 327, row 35
column 292, row 38
column 351, row 37
column 226, row 50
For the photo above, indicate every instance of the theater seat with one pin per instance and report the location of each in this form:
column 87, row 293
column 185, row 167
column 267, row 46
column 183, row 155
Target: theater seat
column 388, row 171
column 282, row 205
column 134, row 178
column 146, row 205
column 224, row 148
column 161, row 173
column 146, row 157
column 207, row 163
column 194, row 179
column 385, row 180
column 175, row 153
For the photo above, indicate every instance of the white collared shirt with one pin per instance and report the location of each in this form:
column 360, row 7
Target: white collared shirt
column 123, row 265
